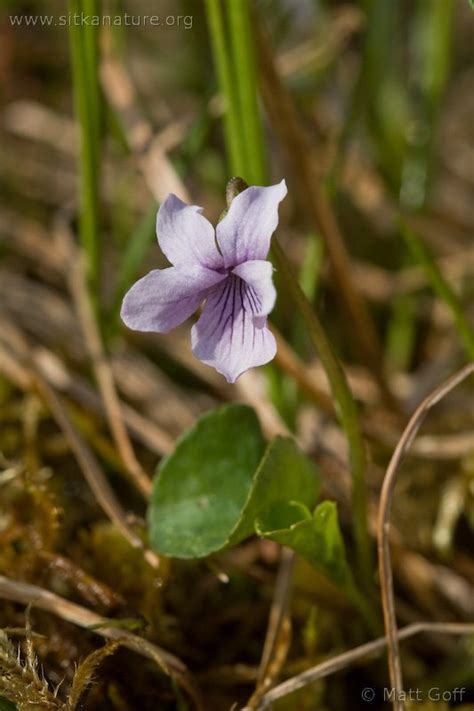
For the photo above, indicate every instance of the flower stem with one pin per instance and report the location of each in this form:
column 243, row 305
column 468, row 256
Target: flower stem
column 346, row 409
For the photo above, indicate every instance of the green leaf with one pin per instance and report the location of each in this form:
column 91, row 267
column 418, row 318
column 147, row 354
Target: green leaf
column 209, row 492
column 284, row 474
column 202, row 486
column 6, row 705
column 316, row 538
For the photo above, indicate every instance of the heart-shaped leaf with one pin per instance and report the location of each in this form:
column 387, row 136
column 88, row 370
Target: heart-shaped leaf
column 209, row 492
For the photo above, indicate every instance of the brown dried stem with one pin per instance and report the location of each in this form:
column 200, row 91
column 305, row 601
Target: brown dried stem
column 27, row 594
column 383, row 527
column 278, row 625
column 293, row 366
column 292, row 134
column 376, row 646
column 92, row 471
column 101, row 367
column 158, row 171
column 28, row 378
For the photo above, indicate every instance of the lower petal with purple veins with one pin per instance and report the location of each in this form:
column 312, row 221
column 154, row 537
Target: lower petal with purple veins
column 164, row 298
column 230, row 335
column 257, row 275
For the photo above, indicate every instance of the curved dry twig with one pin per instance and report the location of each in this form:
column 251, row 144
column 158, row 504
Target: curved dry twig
column 383, row 527
column 27, row 594
column 341, row 661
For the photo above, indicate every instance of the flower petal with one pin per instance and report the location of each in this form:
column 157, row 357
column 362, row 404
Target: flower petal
column 164, row 298
column 185, row 236
column 229, row 336
column 244, row 233
column 257, row 275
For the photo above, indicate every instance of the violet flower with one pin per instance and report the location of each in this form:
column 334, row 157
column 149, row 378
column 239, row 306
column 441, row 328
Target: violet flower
column 225, row 268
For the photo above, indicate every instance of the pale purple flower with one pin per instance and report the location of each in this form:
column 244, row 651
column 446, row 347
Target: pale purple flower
column 225, row 268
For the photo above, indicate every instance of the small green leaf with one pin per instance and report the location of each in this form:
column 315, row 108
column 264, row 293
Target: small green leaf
column 131, row 624
column 209, row 492
column 316, row 538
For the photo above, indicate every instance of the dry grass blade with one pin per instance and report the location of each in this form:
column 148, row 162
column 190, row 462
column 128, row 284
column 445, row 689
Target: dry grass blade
column 344, row 660
column 27, row 594
column 55, row 372
column 92, row 471
column 383, row 527
column 77, row 388
column 278, row 631
column 292, row 134
column 29, row 379
column 157, row 169
column 292, row 365
column 100, row 364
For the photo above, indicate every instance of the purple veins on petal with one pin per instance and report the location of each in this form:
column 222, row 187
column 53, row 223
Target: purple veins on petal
column 257, row 275
column 230, row 336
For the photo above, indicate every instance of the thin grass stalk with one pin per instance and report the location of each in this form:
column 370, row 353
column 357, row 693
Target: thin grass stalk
column 131, row 262
column 91, row 59
column 383, row 527
column 401, row 328
column 232, row 127
column 245, row 70
column 346, row 659
column 440, row 286
column 83, row 46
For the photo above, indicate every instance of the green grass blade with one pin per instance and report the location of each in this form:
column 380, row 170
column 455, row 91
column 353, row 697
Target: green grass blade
column 401, row 327
column 232, row 125
column 84, row 56
column 440, row 286
column 401, row 333
column 245, row 69
column 134, row 255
